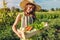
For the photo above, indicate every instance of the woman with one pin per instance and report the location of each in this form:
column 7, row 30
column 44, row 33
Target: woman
column 27, row 18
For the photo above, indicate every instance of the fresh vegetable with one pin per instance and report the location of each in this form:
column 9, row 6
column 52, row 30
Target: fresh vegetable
column 28, row 28
column 39, row 26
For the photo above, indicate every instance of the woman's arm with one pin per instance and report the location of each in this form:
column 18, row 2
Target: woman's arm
column 14, row 28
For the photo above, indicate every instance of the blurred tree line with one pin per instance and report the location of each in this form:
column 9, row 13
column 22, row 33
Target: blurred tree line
column 13, row 9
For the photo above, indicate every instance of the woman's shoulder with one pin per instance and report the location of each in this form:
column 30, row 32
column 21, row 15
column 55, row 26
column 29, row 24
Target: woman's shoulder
column 21, row 13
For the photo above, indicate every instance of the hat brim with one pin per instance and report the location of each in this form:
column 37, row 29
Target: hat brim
column 23, row 3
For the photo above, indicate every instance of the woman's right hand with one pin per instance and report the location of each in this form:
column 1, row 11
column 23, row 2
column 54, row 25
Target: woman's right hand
column 22, row 32
column 19, row 33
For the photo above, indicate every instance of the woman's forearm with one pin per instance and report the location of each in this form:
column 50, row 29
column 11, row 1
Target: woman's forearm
column 15, row 31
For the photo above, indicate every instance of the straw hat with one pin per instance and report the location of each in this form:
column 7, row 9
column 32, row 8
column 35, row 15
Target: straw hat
column 24, row 2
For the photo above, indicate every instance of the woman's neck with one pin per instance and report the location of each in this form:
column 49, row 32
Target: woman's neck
column 27, row 14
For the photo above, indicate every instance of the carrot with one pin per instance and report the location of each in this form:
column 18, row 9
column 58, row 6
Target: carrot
column 28, row 28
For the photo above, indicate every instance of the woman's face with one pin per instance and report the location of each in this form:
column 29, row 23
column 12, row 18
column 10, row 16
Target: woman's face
column 29, row 8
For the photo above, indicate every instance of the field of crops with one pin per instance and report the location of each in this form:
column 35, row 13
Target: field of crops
column 52, row 33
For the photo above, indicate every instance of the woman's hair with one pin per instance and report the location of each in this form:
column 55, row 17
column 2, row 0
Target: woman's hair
column 30, row 4
column 33, row 11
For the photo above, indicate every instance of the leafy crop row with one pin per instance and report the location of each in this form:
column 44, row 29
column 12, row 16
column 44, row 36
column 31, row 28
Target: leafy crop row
column 51, row 33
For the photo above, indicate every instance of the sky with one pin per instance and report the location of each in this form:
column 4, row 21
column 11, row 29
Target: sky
column 45, row 4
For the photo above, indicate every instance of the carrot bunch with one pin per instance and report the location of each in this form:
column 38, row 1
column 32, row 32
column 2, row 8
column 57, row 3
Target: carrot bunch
column 28, row 28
